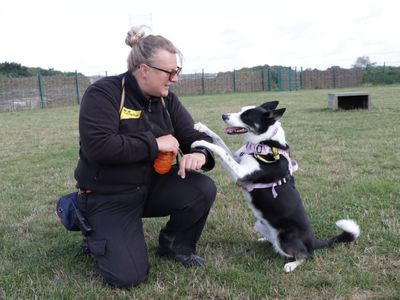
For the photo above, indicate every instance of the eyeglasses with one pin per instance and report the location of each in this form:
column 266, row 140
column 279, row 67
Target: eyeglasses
column 172, row 74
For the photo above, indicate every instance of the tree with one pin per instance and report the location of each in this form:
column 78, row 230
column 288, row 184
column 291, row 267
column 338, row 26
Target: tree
column 17, row 70
column 363, row 62
column 13, row 69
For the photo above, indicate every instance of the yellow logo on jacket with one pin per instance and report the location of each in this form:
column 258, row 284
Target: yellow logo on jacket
column 129, row 114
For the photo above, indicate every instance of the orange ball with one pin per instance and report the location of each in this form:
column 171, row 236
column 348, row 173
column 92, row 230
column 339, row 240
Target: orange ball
column 163, row 162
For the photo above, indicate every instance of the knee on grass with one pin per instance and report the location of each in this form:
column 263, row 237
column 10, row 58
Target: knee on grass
column 125, row 280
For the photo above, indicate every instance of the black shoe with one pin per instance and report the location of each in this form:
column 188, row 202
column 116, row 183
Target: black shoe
column 187, row 260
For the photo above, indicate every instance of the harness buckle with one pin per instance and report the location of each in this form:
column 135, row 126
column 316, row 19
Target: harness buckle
column 275, row 153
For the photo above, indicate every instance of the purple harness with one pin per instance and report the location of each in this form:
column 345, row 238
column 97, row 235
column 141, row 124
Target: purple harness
column 261, row 149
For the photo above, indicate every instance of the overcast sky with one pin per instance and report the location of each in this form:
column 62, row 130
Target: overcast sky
column 88, row 35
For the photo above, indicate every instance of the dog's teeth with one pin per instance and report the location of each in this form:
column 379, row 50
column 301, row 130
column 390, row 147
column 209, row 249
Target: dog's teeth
column 235, row 130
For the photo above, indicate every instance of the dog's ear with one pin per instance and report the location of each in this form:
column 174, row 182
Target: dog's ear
column 275, row 114
column 270, row 105
column 279, row 113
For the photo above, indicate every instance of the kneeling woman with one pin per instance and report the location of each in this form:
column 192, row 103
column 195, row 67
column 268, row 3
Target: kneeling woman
column 125, row 121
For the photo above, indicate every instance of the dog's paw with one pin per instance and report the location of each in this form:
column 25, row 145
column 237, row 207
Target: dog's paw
column 200, row 127
column 263, row 240
column 289, row 267
column 203, row 144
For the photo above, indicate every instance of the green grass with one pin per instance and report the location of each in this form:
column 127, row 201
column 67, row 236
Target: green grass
column 349, row 168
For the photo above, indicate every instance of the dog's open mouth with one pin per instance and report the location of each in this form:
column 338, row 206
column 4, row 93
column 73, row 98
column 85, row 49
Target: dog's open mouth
column 235, row 130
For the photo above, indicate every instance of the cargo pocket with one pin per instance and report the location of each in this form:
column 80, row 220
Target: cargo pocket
column 97, row 247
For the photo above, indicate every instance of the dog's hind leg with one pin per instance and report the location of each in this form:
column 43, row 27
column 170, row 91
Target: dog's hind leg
column 265, row 231
column 297, row 249
column 289, row 267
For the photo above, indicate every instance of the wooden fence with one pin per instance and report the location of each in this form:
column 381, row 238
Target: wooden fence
column 267, row 79
column 49, row 91
column 41, row 91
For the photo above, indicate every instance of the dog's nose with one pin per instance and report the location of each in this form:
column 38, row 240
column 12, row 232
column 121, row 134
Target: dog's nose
column 225, row 117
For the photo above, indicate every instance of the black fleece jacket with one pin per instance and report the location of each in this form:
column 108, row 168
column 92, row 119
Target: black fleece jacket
column 117, row 150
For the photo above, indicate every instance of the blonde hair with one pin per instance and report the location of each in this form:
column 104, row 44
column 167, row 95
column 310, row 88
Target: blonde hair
column 144, row 47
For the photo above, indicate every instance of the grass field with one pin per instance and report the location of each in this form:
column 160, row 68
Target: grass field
column 349, row 168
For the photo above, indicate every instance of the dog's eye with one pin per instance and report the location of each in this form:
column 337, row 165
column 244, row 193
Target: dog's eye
column 245, row 115
column 246, row 118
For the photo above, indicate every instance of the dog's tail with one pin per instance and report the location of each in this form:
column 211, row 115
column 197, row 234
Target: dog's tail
column 351, row 232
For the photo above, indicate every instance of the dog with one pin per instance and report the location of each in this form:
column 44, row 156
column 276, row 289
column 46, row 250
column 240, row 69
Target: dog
column 263, row 168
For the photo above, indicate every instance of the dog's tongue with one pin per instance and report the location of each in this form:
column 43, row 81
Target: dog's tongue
column 235, row 130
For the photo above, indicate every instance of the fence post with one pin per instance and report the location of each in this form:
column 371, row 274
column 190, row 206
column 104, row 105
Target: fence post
column 290, row 79
column 384, row 72
column 203, row 86
column 295, row 78
column 334, row 78
column 301, row 78
column 269, row 79
column 77, row 87
column 234, row 80
column 40, row 90
column 264, row 82
column 280, row 78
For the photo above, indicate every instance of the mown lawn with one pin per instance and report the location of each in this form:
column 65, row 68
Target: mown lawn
column 349, row 168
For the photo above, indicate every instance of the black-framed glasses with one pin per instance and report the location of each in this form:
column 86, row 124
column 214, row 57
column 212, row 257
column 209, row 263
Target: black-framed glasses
column 172, row 74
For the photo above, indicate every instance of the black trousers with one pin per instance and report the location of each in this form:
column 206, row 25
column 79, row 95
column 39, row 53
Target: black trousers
column 117, row 240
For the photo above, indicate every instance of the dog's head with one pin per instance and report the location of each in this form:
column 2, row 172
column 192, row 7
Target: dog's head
column 257, row 123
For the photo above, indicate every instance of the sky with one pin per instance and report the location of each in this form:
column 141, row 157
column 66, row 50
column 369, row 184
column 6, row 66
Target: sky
column 213, row 35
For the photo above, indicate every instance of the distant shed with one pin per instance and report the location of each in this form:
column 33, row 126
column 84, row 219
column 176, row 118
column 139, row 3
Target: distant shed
column 349, row 100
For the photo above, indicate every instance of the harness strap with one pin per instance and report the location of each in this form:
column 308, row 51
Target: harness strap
column 251, row 186
column 121, row 103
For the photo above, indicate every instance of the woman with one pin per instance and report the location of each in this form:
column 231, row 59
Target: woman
column 125, row 121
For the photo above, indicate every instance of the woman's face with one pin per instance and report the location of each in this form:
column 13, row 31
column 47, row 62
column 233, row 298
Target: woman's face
column 161, row 74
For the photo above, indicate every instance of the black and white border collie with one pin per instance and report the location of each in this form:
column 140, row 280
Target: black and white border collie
column 264, row 170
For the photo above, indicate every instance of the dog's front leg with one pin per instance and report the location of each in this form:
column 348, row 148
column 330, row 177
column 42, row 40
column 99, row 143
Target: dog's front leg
column 216, row 138
column 234, row 169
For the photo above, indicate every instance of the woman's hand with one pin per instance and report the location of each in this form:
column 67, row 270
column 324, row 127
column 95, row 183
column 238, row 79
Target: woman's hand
column 167, row 143
column 191, row 162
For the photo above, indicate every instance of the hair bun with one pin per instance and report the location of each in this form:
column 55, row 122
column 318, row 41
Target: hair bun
column 135, row 34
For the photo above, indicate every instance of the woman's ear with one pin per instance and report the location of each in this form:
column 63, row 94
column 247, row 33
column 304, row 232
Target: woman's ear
column 142, row 70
